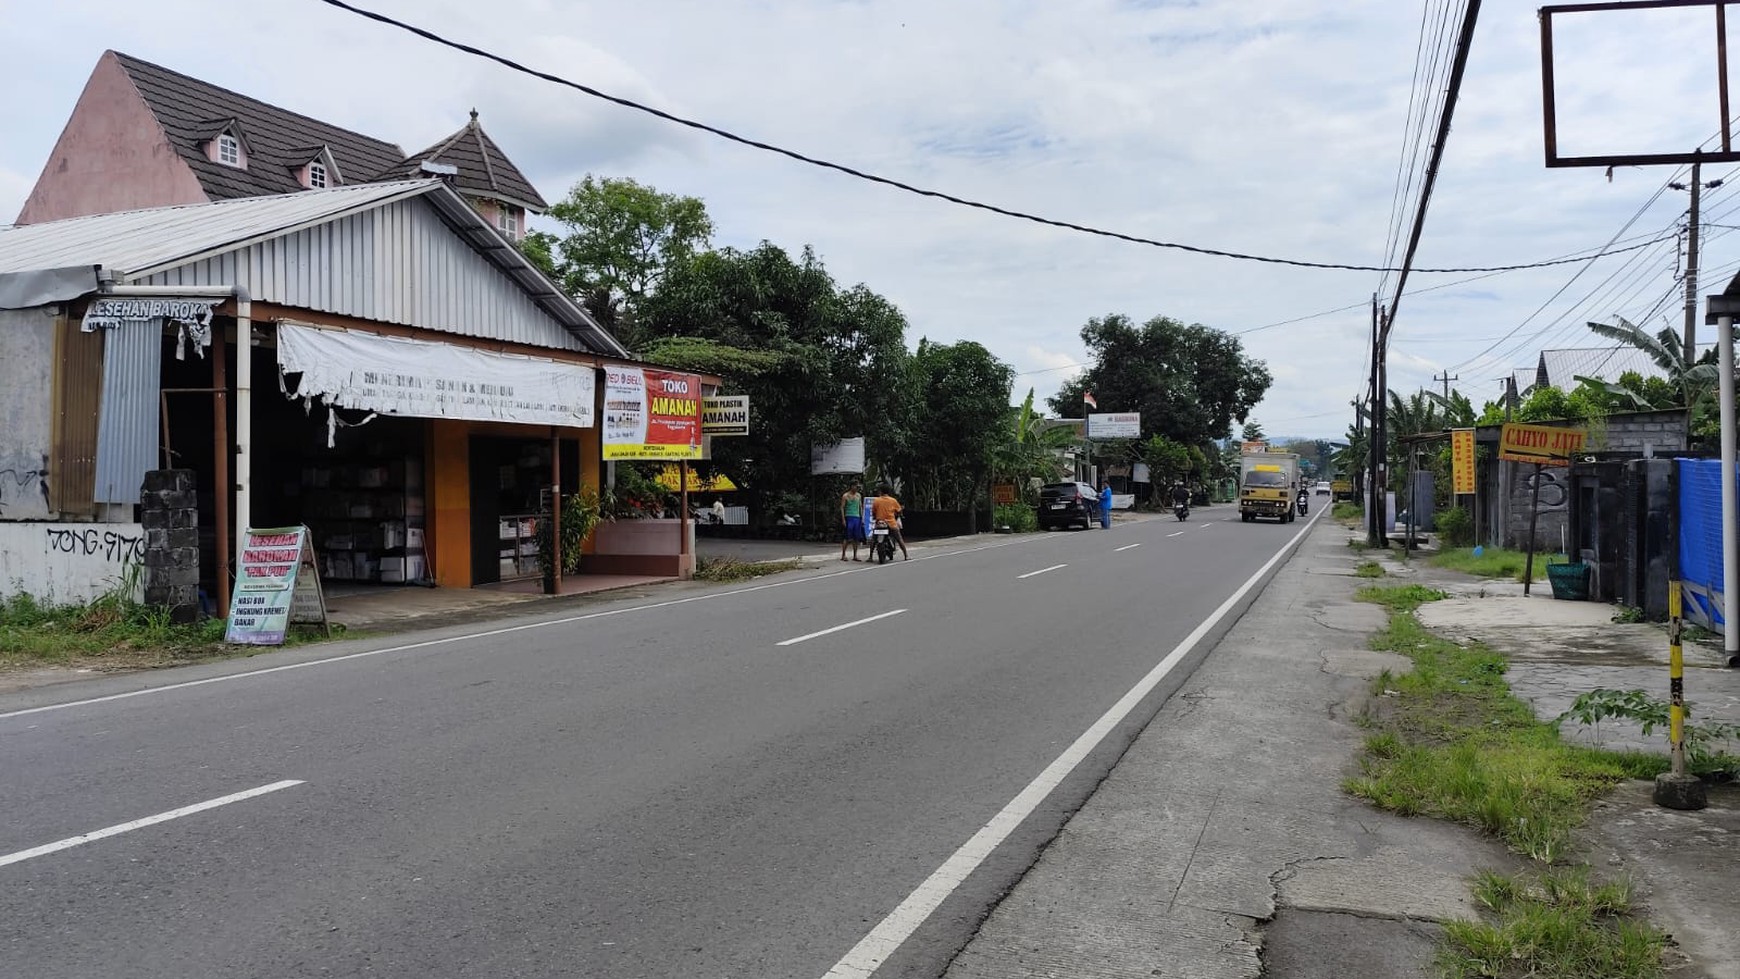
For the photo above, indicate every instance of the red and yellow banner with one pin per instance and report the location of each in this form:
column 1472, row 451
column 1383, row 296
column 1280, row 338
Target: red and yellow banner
column 1461, row 461
column 651, row 414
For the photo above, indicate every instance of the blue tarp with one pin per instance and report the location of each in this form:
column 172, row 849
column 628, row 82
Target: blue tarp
column 1700, row 533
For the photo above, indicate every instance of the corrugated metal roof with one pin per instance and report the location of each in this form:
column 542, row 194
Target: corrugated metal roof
column 130, row 243
column 136, row 244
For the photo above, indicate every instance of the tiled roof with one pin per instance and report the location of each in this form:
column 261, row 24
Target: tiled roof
column 278, row 142
column 484, row 170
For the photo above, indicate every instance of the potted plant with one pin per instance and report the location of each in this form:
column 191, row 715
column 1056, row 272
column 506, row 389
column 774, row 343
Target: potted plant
column 581, row 513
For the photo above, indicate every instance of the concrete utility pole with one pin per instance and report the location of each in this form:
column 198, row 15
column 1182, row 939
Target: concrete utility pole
column 1446, row 378
column 1691, row 330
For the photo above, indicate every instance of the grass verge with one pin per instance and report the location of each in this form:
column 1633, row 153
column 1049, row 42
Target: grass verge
column 1552, row 924
column 731, row 569
column 1369, row 569
column 1348, row 513
column 1449, row 740
column 1493, row 562
column 111, row 633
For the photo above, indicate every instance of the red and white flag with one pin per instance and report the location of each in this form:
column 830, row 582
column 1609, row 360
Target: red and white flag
column 1088, row 398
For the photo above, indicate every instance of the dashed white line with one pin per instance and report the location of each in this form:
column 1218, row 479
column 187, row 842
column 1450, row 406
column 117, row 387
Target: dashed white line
column 1126, row 547
column 1179, row 534
column 838, row 628
column 1040, row 571
column 893, row 931
column 127, row 827
column 486, row 634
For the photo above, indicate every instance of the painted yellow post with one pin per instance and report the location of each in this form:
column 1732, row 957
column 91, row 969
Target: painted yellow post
column 1676, row 682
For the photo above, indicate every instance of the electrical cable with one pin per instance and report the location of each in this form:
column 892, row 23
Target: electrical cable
column 900, row 185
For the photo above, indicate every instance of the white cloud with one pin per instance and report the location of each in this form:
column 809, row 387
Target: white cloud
column 1271, row 128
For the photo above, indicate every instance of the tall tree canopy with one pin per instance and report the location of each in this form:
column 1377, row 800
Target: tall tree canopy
column 818, row 363
column 1190, row 382
column 619, row 239
column 960, row 418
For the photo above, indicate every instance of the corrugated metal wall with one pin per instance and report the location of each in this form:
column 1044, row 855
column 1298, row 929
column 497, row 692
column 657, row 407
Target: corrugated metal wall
column 396, row 264
column 127, row 422
column 78, row 379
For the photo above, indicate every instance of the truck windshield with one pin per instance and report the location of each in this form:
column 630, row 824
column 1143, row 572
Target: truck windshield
column 1265, row 479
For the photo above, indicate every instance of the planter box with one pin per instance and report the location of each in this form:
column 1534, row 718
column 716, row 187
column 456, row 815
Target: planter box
column 640, row 547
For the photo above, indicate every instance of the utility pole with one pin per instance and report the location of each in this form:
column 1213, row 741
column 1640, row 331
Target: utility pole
column 1691, row 329
column 1446, row 378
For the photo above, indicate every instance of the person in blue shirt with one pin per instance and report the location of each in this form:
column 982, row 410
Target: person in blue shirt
column 1105, row 505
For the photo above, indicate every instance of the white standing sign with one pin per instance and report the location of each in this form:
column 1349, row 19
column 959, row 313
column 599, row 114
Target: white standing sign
column 425, row 379
column 845, row 457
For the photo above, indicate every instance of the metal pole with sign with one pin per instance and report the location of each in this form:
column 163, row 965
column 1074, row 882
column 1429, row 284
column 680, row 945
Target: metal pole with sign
column 1543, row 445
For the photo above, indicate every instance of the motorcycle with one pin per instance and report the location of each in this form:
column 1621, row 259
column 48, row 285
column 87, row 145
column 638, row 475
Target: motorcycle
column 1181, row 511
column 882, row 543
column 1304, row 503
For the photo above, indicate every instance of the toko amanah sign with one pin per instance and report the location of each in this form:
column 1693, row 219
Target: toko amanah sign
column 651, row 414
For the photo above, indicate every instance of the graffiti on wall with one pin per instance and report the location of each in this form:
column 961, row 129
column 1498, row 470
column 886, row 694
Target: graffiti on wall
column 70, row 562
column 113, row 546
column 24, row 489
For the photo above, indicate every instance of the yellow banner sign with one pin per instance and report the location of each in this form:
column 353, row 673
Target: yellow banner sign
column 1462, row 460
column 1542, row 444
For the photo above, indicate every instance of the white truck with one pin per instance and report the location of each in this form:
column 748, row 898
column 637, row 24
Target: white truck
column 1268, row 485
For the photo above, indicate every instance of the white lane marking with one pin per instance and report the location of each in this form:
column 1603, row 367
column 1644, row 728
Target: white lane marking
column 1179, row 534
column 1126, row 547
column 127, row 827
column 1040, row 571
column 838, row 628
column 488, row 633
column 887, row 937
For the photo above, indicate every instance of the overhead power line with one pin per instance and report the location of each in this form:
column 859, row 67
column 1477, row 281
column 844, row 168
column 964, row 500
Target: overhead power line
column 850, row 171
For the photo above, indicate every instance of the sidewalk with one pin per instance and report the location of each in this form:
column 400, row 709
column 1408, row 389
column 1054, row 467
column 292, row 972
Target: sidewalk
column 1221, row 845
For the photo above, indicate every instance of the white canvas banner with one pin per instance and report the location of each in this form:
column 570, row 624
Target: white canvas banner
column 424, row 379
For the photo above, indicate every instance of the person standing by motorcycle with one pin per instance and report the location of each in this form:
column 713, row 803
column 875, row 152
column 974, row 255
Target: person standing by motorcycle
column 852, row 519
column 885, row 509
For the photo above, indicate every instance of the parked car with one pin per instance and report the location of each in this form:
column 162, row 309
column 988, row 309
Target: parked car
column 1068, row 505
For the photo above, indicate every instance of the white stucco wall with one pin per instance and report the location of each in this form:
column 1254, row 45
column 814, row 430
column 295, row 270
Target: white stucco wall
column 67, row 563
column 26, row 406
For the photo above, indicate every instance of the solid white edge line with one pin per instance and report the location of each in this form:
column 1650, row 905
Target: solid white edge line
column 893, row 931
column 1040, row 571
column 488, row 633
column 838, row 628
column 127, row 827
column 1126, row 547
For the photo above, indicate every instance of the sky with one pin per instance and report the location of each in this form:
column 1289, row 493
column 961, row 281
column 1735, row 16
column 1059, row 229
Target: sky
column 1275, row 128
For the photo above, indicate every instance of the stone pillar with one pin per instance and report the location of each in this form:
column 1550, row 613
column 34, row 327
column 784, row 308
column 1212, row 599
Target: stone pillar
column 169, row 511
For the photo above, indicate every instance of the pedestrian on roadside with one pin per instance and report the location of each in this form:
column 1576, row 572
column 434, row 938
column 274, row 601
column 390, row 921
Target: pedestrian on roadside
column 1105, row 505
column 852, row 519
column 718, row 510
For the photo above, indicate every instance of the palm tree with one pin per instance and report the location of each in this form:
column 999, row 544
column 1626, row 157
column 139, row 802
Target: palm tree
column 1456, row 411
column 1032, row 449
column 1694, row 380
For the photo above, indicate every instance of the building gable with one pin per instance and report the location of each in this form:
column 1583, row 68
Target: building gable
column 112, row 156
column 400, row 263
column 482, row 170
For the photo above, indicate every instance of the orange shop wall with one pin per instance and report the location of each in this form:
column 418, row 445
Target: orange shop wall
column 449, row 484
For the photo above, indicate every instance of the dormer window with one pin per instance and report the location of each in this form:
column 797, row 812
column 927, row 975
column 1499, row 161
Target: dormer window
column 507, row 219
column 317, row 175
column 229, row 150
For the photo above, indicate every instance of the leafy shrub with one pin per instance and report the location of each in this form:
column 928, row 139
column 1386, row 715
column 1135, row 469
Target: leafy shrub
column 1016, row 517
column 1456, row 527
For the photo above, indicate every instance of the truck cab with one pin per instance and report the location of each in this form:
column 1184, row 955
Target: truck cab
column 1269, row 486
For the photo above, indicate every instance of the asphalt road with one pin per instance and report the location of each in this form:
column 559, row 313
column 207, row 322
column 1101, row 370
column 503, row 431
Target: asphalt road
column 688, row 789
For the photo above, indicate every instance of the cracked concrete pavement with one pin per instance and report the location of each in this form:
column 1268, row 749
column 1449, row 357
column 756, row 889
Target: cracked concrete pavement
column 1222, row 846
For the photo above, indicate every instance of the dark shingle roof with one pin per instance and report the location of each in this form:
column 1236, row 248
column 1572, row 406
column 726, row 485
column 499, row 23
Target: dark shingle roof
column 278, row 142
column 484, row 170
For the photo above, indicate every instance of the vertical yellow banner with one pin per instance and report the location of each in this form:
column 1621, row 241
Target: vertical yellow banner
column 1462, row 460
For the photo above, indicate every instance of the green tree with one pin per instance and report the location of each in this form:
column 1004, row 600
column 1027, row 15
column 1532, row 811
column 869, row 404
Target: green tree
column 818, row 364
column 959, row 418
column 1252, row 432
column 1169, row 462
column 1031, row 448
column 618, row 242
column 1190, row 382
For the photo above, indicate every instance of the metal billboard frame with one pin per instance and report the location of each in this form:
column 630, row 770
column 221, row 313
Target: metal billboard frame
column 1549, row 111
